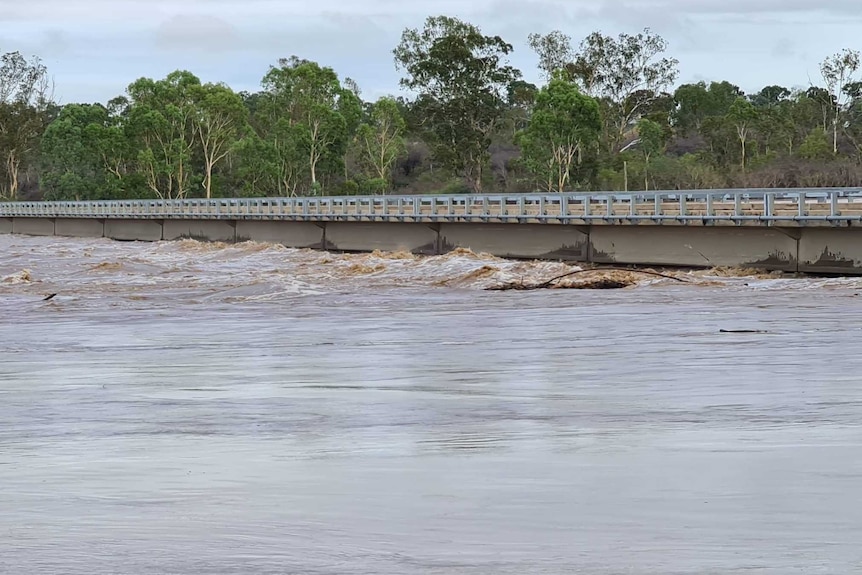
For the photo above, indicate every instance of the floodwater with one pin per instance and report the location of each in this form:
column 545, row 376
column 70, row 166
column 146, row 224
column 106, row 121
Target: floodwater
column 196, row 408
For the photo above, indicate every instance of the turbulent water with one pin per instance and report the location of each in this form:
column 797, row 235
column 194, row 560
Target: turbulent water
column 200, row 408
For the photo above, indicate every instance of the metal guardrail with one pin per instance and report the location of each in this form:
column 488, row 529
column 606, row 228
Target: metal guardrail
column 753, row 206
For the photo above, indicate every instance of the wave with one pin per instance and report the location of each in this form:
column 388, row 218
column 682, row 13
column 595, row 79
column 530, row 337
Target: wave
column 252, row 271
column 22, row 277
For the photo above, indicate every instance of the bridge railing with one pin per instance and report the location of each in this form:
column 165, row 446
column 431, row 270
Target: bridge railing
column 740, row 206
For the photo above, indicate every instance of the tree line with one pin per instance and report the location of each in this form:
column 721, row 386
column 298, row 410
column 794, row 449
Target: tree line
column 607, row 116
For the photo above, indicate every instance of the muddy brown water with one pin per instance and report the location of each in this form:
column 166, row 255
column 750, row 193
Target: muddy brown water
column 194, row 408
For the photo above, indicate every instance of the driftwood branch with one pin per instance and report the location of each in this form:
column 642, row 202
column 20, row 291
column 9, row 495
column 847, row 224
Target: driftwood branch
column 606, row 284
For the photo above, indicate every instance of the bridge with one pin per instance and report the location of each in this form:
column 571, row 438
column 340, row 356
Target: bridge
column 795, row 230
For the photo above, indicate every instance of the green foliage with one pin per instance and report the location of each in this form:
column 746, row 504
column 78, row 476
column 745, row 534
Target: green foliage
column 24, row 105
column 816, row 146
column 742, row 114
column 380, row 139
column 257, row 166
column 220, row 118
column 349, row 188
column 309, row 118
column 651, row 138
column 628, row 72
column 564, row 125
column 605, row 117
column 87, row 155
column 161, row 123
column 696, row 103
column 377, row 186
column 461, row 76
column 837, row 71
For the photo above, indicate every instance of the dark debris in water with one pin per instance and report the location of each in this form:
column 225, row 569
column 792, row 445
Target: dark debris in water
column 599, row 283
column 742, row 331
column 623, row 277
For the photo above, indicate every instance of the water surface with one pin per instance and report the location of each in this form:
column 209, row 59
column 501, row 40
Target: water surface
column 192, row 408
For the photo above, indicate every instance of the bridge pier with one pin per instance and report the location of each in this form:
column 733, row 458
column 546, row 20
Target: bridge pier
column 831, row 250
column 539, row 241
column 417, row 238
column 79, row 227
column 134, row 230
column 204, row 230
column 33, row 226
column 287, row 233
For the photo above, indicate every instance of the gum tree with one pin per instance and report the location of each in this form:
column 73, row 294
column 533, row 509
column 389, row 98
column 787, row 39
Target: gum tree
column 564, row 122
column 24, row 100
column 460, row 76
column 381, row 138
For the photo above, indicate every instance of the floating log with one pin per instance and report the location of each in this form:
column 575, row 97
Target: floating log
column 600, row 283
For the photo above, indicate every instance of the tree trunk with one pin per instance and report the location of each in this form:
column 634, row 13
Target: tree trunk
column 473, row 177
column 835, row 135
column 209, row 180
column 646, row 173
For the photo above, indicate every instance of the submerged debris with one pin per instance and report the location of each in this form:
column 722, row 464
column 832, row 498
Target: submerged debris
column 621, row 279
column 742, row 331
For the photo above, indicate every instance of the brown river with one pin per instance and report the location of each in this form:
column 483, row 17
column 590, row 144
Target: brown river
column 187, row 408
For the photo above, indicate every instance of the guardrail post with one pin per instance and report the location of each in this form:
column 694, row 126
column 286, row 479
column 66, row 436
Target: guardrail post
column 768, row 200
column 683, row 209
column 803, row 208
column 833, row 204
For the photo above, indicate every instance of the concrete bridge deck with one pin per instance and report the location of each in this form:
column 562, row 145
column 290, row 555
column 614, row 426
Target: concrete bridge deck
column 808, row 230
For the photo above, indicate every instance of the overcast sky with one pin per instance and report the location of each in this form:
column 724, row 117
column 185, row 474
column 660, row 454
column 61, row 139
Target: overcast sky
column 95, row 48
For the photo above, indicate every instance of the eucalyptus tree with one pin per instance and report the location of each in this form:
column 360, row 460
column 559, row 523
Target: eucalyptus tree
column 627, row 73
column 310, row 118
column 460, row 76
column 87, row 155
column 220, row 120
column 380, row 139
column 25, row 98
column 564, row 124
column 837, row 71
column 651, row 136
column 161, row 118
column 743, row 116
